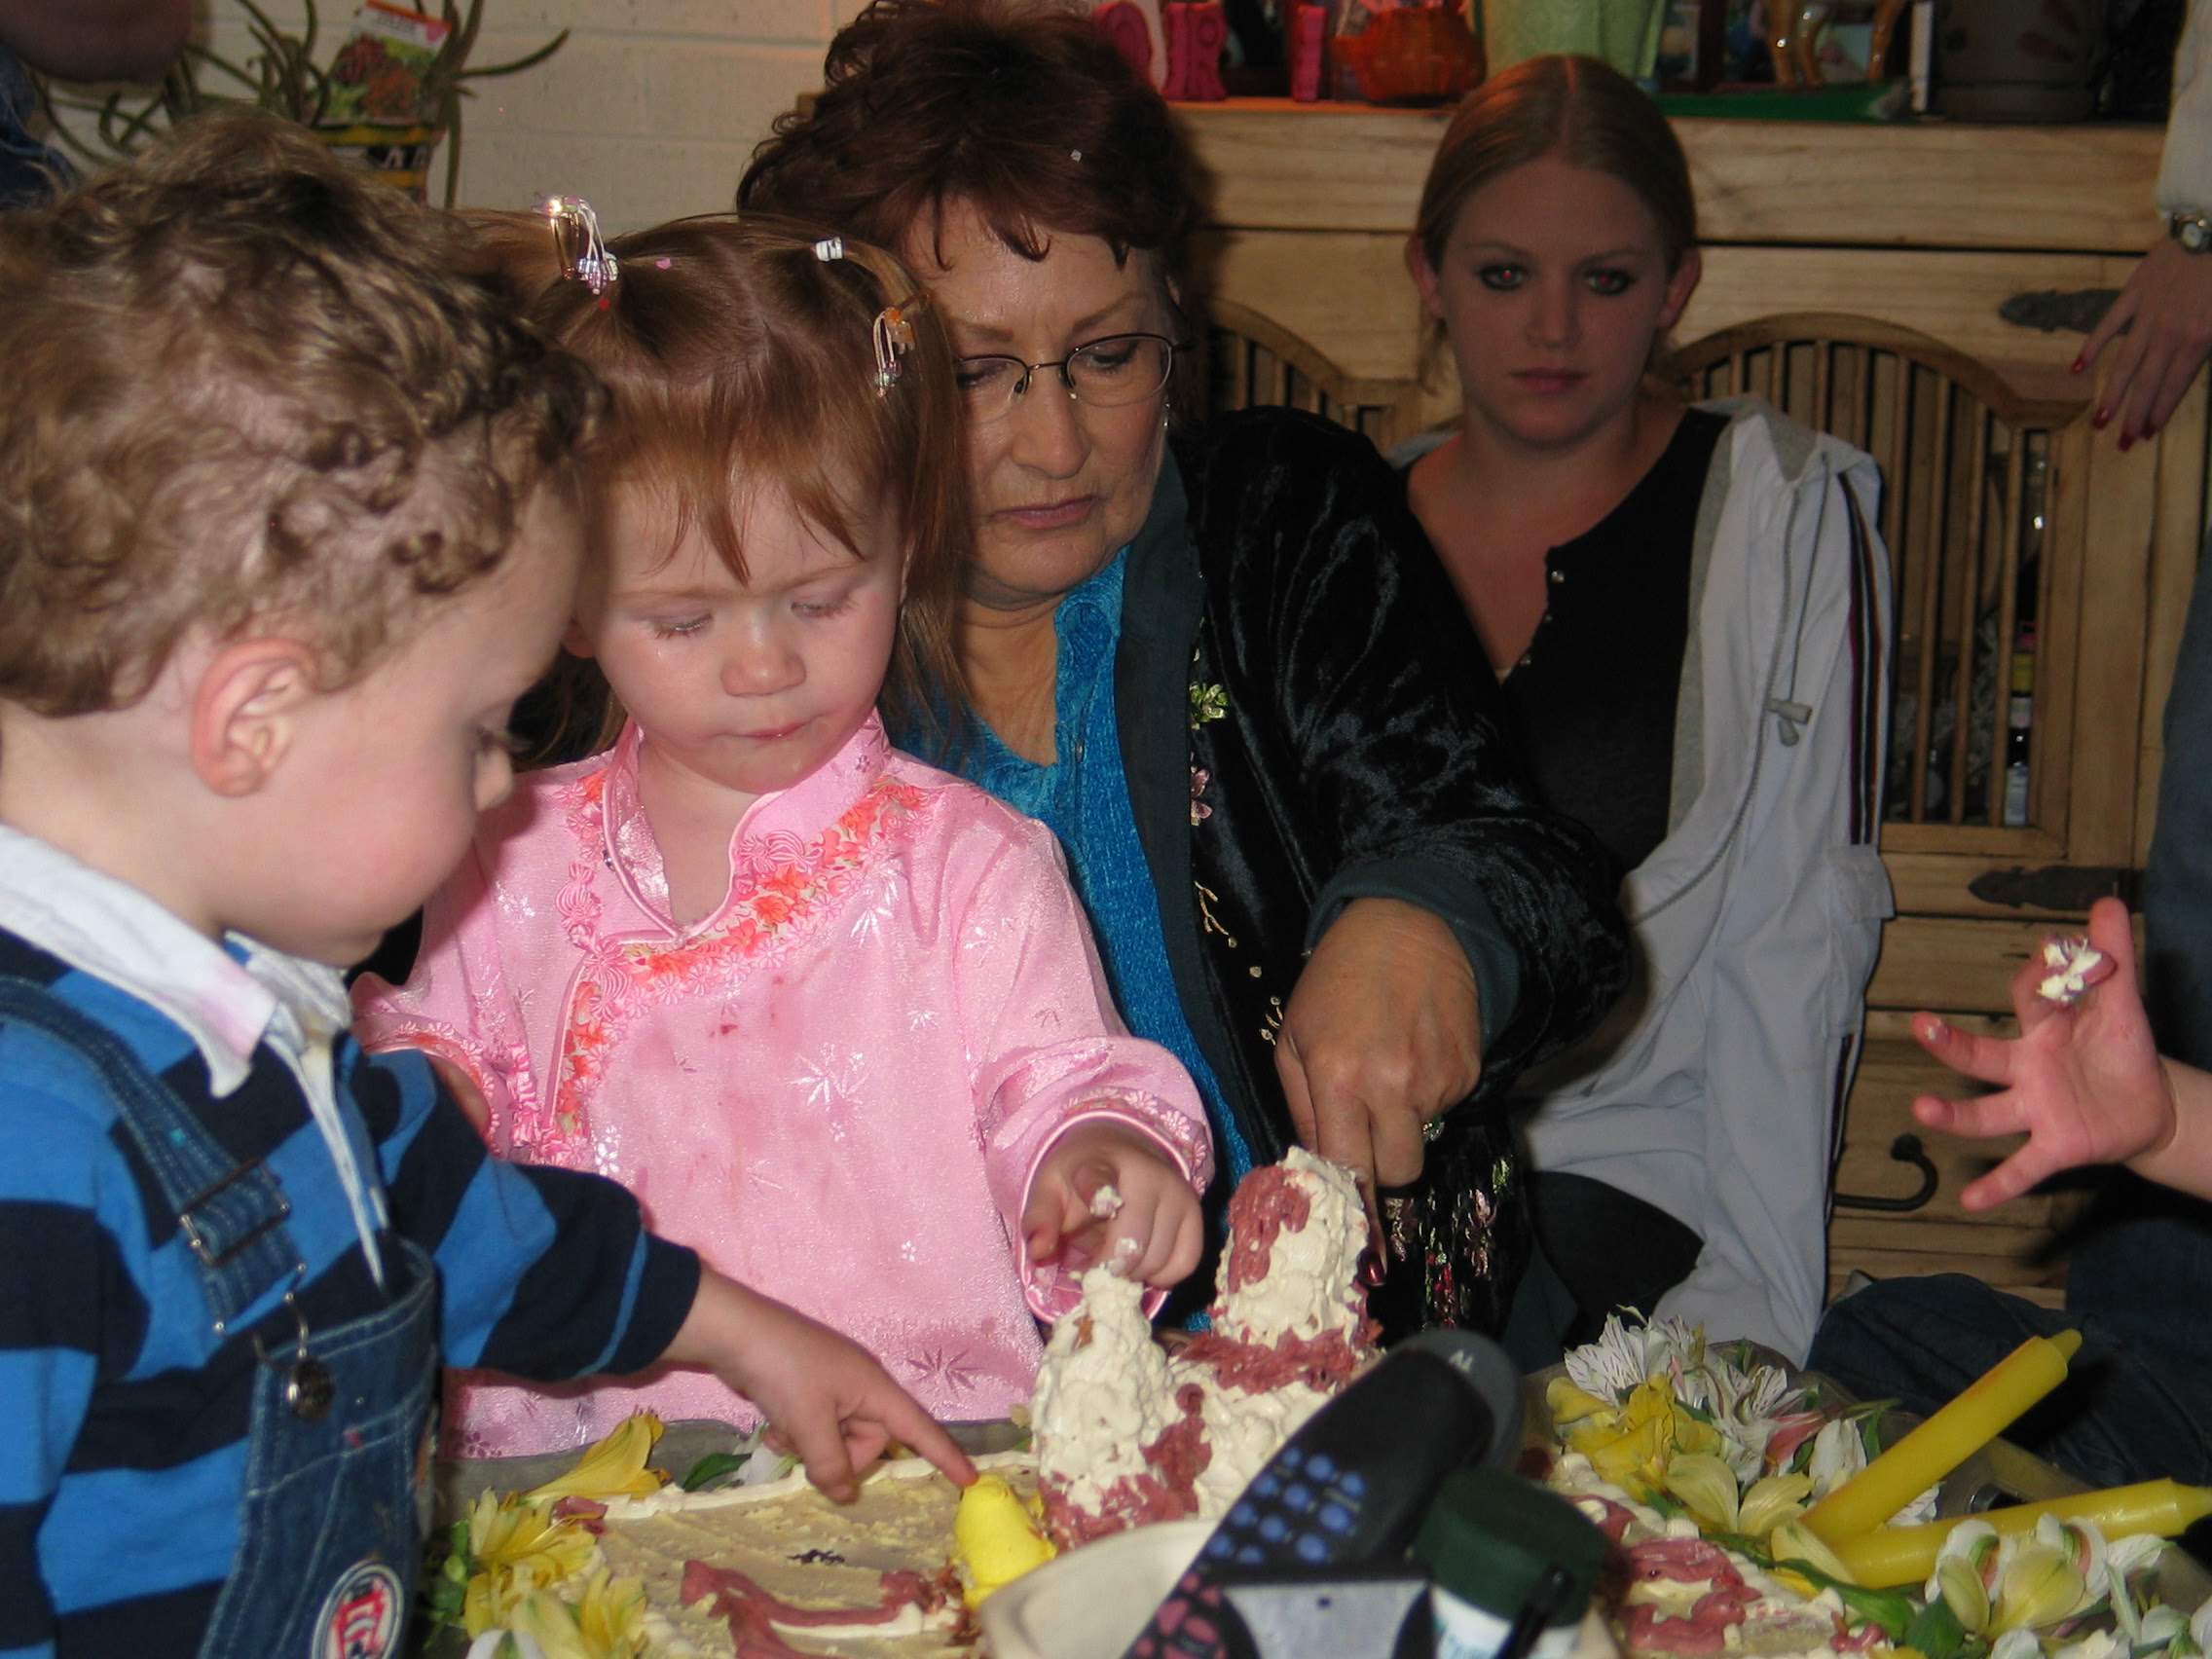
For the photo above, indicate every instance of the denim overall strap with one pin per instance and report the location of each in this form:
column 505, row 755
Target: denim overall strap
column 329, row 1513
column 233, row 1215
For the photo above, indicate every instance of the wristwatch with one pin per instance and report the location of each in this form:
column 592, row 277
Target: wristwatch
column 2194, row 230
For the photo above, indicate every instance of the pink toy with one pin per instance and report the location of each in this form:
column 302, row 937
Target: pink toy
column 1124, row 25
column 1308, row 37
column 1196, row 32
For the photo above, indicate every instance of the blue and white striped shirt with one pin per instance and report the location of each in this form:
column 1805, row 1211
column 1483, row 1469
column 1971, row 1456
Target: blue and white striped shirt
column 122, row 1466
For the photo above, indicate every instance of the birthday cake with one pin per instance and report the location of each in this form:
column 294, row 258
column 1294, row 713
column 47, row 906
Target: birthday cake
column 1124, row 1431
column 1129, row 1432
column 1699, row 1463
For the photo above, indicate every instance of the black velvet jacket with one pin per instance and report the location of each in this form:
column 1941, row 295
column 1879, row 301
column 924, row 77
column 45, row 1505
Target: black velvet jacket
column 1306, row 717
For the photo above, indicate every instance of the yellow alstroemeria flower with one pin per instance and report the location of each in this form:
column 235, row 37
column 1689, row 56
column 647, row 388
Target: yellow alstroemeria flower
column 1792, row 1540
column 1631, row 1446
column 517, row 1547
column 1772, row 1500
column 609, row 1624
column 1571, row 1404
column 1706, row 1485
column 2039, row 1587
column 612, row 1616
column 614, row 1468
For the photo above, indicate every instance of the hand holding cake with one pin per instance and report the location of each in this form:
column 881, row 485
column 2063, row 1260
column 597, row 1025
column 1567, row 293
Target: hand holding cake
column 1106, row 1195
column 2084, row 1079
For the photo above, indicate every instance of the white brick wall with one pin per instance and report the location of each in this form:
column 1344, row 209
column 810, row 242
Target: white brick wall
column 649, row 111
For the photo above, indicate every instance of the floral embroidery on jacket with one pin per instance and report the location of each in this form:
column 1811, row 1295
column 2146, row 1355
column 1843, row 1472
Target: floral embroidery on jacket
column 1209, row 702
column 1200, row 810
column 620, row 978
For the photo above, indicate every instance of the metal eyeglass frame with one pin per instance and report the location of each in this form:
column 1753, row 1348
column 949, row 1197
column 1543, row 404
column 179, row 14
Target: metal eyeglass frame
column 1028, row 372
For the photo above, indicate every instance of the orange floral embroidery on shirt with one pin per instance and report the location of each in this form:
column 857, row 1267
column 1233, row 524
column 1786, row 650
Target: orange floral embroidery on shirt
column 624, row 979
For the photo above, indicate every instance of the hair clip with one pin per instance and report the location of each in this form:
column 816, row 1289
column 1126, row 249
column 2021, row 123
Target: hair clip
column 584, row 255
column 892, row 334
column 829, row 248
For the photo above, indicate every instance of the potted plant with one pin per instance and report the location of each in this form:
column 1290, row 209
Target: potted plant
column 392, row 92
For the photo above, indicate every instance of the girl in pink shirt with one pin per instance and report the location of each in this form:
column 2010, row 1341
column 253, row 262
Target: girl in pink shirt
column 833, row 1016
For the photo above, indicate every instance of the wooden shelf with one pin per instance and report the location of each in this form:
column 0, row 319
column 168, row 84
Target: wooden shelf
column 1276, row 165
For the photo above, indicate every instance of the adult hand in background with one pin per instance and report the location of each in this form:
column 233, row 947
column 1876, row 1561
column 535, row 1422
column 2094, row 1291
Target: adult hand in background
column 1383, row 1032
column 2160, row 331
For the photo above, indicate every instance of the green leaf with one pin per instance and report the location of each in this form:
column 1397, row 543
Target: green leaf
column 714, row 1466
column 1665, row 1502
column 1889, row 1609
column 1936, row 1631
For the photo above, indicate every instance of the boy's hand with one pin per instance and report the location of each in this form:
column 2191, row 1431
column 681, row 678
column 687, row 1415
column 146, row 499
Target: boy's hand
column 1151, row 1234
column 831, row 1403
column 2084, row 1082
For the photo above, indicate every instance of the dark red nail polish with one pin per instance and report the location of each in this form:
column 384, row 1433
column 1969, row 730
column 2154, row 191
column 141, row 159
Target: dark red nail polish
column 2101, row 419
column 2126, row 443
column 2081, row 363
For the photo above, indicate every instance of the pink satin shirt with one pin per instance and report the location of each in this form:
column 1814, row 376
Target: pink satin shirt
column 837, row 1087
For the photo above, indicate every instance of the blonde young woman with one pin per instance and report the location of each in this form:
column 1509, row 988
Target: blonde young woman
column 1686, row 607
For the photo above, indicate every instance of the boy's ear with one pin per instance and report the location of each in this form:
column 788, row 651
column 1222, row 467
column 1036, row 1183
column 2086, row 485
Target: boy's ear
column 575, row 639
column 245, row 707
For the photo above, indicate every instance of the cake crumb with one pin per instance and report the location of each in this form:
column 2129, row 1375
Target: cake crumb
column 2072, row 961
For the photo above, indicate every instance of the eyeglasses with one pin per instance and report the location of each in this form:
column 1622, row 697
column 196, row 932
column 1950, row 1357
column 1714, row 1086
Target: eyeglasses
column 1101, row 374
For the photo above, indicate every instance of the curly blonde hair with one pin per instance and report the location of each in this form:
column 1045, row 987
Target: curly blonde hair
column 249, row 388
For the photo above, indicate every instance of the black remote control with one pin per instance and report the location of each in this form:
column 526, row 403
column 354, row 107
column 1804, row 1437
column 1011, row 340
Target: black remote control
column 1349, row 1489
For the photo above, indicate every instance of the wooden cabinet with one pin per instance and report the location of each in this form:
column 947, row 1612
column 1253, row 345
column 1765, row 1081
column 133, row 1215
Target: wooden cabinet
column 1853, row 275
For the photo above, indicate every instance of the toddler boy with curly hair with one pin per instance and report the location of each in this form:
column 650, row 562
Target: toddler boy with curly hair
column 286, row 525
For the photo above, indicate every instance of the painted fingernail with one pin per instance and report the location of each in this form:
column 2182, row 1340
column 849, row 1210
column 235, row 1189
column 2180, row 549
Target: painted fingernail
column 2101, row 419
column 2126, row 443
column 2081, row 363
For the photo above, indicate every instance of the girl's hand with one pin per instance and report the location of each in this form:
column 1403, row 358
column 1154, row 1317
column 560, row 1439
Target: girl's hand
column 1384, row 1033
column 836, row 1408
column 2084, row 1082
column 1107, row 1194
column 2162, row 321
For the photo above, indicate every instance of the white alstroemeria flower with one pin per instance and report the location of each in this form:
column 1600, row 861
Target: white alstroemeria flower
column 2160, row 1628
column 2083, row 1543
column 2129, row 1565
column 2016, row 1645
column 1625, row 1356
column 2200, row 1627
column 2096, row 1645
column 1839, row 1452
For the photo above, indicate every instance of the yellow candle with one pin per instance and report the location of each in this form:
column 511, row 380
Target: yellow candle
column 1906, row 1555
column 1981, row 1413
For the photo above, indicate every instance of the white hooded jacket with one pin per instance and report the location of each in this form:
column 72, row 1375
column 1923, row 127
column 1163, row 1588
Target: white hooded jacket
column 1716, row 1090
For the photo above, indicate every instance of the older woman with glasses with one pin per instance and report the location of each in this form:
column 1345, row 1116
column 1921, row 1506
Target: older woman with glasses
column 1220, row 663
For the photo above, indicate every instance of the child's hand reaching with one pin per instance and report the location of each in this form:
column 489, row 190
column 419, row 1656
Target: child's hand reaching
column 832, row 1406
column 2084, row 1081
column 1106, row 1194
